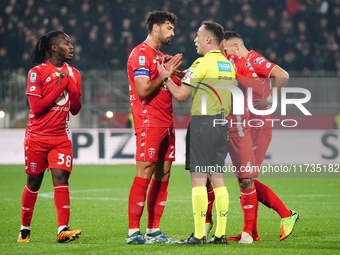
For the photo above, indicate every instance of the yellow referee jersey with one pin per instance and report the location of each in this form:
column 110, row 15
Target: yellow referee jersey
column 206, row 76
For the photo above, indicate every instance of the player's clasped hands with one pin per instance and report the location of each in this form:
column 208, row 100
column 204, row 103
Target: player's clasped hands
column 61, row 76
column 172, row 63
column 69, row 83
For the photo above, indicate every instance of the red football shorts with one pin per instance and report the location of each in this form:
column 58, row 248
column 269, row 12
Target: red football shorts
column 242, row 155
column 261, row 141
column 47, row 153
column 153, row 144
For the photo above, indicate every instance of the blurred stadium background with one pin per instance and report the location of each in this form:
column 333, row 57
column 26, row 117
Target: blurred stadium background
column 302, row 36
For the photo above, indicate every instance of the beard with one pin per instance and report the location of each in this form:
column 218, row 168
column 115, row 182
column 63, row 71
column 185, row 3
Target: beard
column 165, row 41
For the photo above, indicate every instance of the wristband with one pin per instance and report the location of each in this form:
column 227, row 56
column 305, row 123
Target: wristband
column 166, row 79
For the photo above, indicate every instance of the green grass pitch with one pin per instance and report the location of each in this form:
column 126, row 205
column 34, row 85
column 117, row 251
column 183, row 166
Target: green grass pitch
column 99, row 201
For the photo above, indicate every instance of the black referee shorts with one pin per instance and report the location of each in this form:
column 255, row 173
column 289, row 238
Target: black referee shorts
column 206, row 144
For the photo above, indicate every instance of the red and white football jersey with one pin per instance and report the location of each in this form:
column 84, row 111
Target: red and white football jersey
column 244, row 71
column 263, row 69
column 156, row 109
column 41, row 81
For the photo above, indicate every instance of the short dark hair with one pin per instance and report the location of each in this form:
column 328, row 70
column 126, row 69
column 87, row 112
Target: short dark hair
column 231, row 34
column 215, row 28
column 159, row 17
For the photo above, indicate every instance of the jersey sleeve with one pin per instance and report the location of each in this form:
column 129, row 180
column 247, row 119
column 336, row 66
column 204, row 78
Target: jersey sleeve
column 193, row 74
column 34, row 82
column 262, row 66
column 141, row 64
column 78, row 81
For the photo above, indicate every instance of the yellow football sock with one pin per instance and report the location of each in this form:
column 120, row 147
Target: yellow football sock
column 199, row 206
column 222, row 207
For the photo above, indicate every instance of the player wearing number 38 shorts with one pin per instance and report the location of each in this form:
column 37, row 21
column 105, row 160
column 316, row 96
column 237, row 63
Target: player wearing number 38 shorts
column 53, row 91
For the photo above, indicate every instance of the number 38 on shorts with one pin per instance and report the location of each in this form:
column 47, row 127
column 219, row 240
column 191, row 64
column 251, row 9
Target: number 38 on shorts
column 42, row 154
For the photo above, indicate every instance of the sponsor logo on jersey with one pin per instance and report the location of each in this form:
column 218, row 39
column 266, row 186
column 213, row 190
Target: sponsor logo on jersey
column 32, row 88
column 62, row 99
column 224, row 66
column 262, row 61
column 142, row 60
column 268, row 65
column 188, row 76
column 248, row 64
column 227, row 78
column 151, row 152
column 195, row 64
column 33, row 77
column 48, row 79
column 257, row 60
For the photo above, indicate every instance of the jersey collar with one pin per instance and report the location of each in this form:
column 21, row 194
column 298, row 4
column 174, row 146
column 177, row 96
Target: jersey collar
column 59, row 68
column 250, row 54
column 151, row 47
column 213, row 51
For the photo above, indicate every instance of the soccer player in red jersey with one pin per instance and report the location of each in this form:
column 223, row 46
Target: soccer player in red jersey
column 240, row 147
column 151, row 105
column 261, row 135
column 53, row 90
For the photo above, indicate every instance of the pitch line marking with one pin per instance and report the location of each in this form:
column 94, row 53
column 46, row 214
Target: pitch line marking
column 51, row 195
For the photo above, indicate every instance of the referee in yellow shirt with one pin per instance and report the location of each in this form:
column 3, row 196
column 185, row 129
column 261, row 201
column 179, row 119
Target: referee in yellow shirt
column 207, row 138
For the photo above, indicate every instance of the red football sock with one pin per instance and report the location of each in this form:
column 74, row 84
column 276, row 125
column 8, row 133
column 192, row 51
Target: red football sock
column 156, row 200
column 137, row 200
column 256, row 214
column 248, row 204
column 29, row 197
column 267, row 196
column 62, row 204
column 211, row 199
